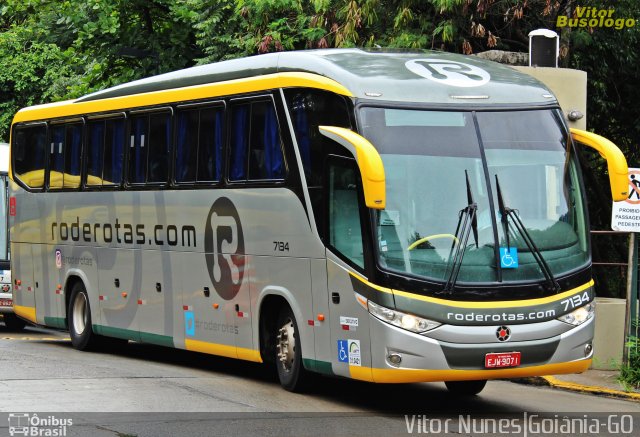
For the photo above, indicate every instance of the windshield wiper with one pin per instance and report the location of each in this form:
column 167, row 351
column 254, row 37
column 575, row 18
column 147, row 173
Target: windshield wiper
column 505, row 213
column 467, row 223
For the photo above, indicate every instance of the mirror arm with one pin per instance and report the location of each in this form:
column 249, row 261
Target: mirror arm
column 616, row 162
column 369, row 162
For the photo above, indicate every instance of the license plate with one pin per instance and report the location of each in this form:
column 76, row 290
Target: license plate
column 6, row 302
column 503, row 359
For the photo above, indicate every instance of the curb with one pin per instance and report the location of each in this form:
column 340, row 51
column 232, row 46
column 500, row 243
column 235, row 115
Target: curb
column 553, row 382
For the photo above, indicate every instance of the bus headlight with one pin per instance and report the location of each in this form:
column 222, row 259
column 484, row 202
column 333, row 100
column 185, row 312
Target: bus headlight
column 579, row 315
column 401, row 320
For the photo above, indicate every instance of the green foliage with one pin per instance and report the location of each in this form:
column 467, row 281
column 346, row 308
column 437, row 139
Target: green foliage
column 630, row 372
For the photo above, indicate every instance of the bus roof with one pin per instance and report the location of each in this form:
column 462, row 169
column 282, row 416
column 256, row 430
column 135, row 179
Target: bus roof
column 426, row 77
column 390, row 76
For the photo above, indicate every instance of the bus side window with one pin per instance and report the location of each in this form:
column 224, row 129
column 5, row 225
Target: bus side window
column 72, row 155
column 95, row 152
column 345, row 224
column 114, row 144
column 56, row 157
column 159, row 143
column 265, row 157
column 256, row 147
column 29, row 151
column 149, row 143
column 199, row 145
column 105, row 147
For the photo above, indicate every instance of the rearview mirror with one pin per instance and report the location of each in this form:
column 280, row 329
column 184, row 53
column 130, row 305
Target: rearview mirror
column 616, row 162
column 369, row 162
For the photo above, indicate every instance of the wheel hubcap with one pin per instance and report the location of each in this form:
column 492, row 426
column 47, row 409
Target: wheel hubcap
column 80, row 313
column 286, row 345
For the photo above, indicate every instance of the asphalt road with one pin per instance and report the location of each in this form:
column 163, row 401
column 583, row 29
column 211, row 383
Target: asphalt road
column 148, row 390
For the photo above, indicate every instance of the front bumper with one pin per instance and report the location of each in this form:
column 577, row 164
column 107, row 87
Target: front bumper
column 451, row 353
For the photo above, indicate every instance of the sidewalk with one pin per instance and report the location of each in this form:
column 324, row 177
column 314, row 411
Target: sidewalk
column 597, row 382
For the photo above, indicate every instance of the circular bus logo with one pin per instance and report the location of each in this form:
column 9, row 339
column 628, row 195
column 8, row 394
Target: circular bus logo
column 224, row 248
column 450, row 73
column 503, row 333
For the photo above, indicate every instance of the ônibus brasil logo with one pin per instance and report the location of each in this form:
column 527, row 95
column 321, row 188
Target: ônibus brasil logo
column 224, row 248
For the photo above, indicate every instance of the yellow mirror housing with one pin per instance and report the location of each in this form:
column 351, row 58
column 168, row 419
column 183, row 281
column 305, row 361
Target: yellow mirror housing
column 616, row 162
column 369, row 162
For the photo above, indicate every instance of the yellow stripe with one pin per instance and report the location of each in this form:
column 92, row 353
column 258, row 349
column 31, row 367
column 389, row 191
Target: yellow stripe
column 28, row 313
column 465, row 304
column 422, row 375
column 238, row 86
column 223, row 350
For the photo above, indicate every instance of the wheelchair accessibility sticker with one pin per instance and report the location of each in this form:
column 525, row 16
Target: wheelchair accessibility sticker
column 189, row 323
column 349, row 352
column 509, row 257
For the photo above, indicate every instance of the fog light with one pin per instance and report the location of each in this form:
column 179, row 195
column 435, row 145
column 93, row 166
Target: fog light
column 587, row 349
column 395, row 359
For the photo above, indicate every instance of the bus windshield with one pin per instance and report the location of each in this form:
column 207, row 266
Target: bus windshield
column 437, row 161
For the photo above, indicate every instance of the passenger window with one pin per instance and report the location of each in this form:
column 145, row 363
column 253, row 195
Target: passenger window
column 105, row 151
column 29, row 152
column 149, row 144
column 256, row 147
column 199, row 145
column 345, row 229
column 56, row 158
column 73, row 155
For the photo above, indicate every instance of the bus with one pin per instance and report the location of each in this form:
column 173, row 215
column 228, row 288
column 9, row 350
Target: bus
column 11, row 321
column 386, row 217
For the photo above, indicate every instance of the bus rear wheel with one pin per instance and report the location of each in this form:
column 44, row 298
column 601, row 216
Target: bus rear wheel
column 466, row 388
column 13, row 322
column 291, row 372
column 79, row 314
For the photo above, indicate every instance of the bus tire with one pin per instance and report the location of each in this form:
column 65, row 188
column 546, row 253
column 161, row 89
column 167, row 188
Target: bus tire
column 291, row 372
column 79, row 316
column 466, row 388
column 13, row 322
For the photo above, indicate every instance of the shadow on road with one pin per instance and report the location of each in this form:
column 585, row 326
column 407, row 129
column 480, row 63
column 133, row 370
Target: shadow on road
column 377, row 398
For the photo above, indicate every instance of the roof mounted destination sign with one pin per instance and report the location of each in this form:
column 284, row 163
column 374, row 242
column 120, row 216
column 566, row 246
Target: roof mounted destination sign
column 625, row 215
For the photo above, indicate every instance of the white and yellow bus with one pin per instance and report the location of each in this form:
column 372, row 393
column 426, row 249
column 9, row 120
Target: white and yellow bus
column 379, row 216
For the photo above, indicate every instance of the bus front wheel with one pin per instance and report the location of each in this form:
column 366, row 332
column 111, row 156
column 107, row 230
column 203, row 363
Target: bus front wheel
column 466, row 388
column 79, row 314
column 292, row 374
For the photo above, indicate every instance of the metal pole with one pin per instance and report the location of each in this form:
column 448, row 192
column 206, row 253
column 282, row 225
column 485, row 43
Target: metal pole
column 631, row 267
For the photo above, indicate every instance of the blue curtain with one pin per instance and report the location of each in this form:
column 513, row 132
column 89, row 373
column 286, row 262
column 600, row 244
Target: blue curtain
column 272, row 151
column 218, row 145
column 239, row 143
column 117, row 148
column 96, row 139
column 76, row 144
column 183, row 143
